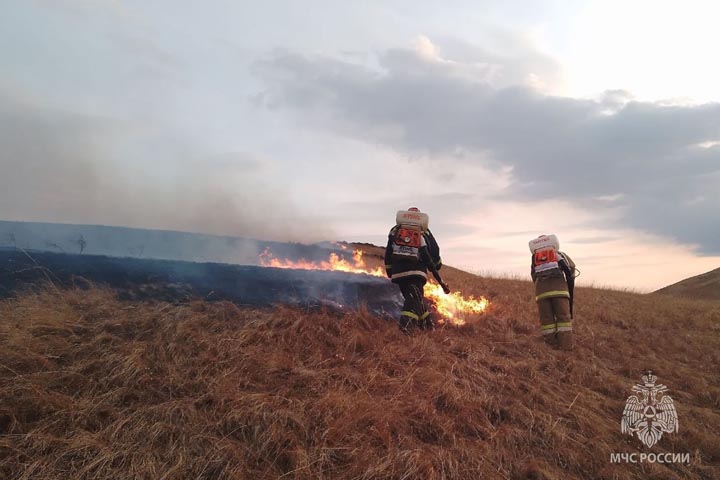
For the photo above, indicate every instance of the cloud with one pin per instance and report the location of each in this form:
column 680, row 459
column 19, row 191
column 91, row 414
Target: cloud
column 656, row 161
column 114, row 7
column 593, row 240
column 60, row 166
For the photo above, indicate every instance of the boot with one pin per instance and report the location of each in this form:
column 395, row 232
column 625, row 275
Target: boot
column 565, row 341
column 405, row 324
column 426, row 323
column 551, row 339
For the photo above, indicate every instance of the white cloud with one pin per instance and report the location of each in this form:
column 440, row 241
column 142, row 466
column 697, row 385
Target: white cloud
column 657, row 50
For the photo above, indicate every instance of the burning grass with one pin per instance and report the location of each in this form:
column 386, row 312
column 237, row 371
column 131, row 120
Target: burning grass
column 93, row 387
column 454, row 308
column 334, row 263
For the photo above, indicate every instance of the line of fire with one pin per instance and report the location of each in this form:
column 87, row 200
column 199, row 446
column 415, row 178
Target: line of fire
column 452, row 309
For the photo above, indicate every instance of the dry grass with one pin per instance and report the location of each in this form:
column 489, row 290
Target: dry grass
column 701, row 287
column 92, row 387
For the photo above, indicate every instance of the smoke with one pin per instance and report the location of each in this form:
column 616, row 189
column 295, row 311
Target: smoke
column 63, row 167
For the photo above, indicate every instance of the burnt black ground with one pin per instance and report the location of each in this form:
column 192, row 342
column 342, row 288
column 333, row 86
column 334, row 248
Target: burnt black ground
column 171, row 280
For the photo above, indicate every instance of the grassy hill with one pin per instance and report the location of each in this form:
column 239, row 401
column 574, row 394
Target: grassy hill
column 705, row 286
column 96, row 388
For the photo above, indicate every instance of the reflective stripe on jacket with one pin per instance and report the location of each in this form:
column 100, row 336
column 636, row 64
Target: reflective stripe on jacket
column 399, row 269
column 553, row 282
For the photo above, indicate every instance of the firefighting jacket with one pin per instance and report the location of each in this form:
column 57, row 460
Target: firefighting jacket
column 399, row 269
column 554, row 283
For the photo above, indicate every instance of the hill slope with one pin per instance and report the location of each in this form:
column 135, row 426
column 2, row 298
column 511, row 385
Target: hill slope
column 705, row 286
column 94, row 387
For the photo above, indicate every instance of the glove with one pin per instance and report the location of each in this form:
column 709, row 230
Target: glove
column 445, row 287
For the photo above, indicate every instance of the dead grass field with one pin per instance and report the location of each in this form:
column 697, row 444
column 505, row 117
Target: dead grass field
column 96, row 388
column 702, row 287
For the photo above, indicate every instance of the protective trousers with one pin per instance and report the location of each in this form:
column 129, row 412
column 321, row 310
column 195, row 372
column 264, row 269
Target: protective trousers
column 414, row 312
column 555, row 322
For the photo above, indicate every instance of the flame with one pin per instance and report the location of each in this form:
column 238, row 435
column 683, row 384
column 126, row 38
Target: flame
column 454, row 308
column 334, row 262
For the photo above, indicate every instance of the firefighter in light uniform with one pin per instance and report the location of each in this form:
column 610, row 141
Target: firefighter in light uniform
column 411, row 251
column 553, row 273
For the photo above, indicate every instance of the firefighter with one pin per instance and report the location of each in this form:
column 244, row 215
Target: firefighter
column 410, row 253
column 553, row 273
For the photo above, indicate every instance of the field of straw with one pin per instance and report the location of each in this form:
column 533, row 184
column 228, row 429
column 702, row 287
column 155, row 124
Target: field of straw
column 96, row 388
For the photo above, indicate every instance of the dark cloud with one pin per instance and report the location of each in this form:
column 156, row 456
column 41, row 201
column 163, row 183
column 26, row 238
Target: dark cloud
column 647, row 156
column 63, row 167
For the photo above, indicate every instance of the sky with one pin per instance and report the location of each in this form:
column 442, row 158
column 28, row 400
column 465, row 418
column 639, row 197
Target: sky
column 598, row 121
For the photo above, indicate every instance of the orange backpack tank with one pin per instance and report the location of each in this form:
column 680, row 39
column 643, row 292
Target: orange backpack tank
column 545, row 261
column 544, row 256
column 407, row 244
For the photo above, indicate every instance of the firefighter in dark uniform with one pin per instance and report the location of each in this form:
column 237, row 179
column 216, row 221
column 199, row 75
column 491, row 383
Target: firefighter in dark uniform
column 411, row 251
column 553, row 273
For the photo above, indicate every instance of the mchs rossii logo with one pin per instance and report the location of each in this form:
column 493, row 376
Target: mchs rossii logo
column 650, row 412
